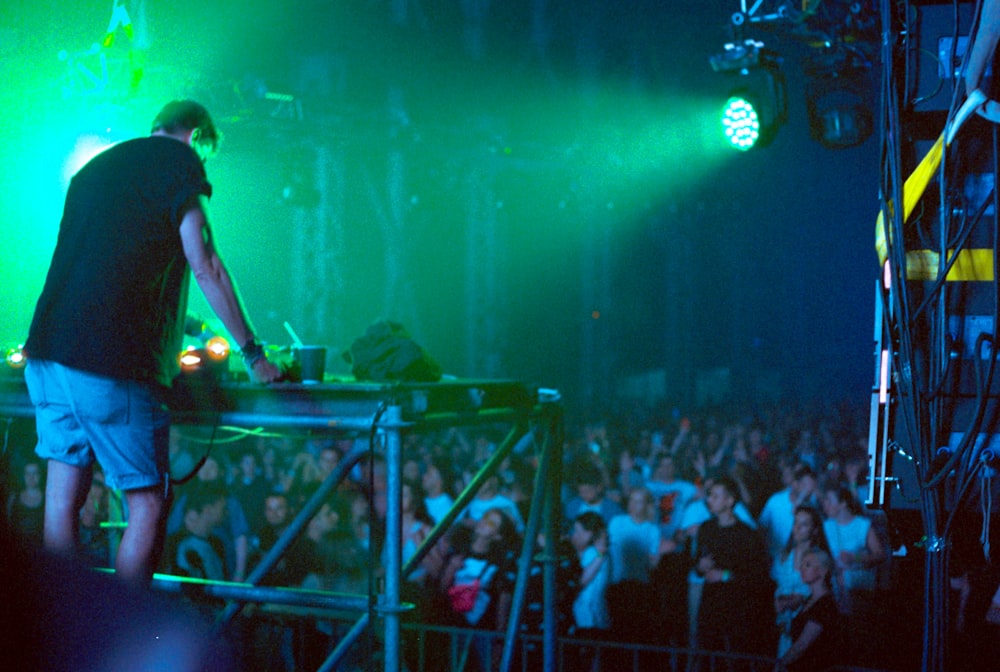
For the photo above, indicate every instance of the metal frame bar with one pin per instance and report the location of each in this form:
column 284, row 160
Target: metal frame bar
column 544, row 485
column 294, row 529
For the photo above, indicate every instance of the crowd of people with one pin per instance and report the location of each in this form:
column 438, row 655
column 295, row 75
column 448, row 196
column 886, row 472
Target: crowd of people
column 713, row 533
column 679, row 533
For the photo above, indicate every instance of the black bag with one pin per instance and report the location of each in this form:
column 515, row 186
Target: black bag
column 387, row 353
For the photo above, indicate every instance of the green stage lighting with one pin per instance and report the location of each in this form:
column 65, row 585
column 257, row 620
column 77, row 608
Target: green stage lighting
column 756, row 105
column 741, row 123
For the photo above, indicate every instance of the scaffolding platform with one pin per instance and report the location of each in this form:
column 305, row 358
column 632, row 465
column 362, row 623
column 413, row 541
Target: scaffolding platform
column 385, row 412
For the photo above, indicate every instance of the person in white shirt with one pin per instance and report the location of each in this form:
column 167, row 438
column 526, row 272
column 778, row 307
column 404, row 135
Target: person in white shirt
column 436, row 497
column 857, row 552
column 635, row 541
column 670, row 495
column 855, row 547
column 589, row 538
column 669, row 579
column 635, row 547
column 778, row 515
column 489, row 497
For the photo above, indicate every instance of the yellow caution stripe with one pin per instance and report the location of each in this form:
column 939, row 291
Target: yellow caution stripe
column 971, row 266
column 913, row 190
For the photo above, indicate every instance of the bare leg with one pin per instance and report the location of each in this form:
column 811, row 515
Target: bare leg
column 66, row 489
column 140, row 547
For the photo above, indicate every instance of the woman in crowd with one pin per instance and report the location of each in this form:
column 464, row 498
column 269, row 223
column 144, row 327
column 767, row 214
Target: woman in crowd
column 482, row 586
column 791, row 592
column 854, row 546
column 856, row 476
column 589, row 539
column 481, row 589
column 635, row 546
column 436, row 497
column 630, row 474
column 270, row 463
column 634, row 539
column 857, row 553
column 416, row 523
column 26, row 506
column 815, row 631
column 358, row 518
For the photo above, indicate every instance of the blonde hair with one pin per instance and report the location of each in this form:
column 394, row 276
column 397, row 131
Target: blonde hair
column 648, row 513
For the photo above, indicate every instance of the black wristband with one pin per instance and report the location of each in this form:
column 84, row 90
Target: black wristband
column 252, row 352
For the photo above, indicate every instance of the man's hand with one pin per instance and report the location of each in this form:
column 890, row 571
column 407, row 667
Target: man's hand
column 264, row 371
column 601, row 543
column 706, row 564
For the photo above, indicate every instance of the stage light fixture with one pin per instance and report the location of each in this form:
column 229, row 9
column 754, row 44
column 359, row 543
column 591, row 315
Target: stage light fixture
column 756, row 107
column 740, row 57
column 839, row 115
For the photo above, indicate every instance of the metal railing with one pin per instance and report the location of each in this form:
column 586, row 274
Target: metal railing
column 438, row 648
column 477, row 650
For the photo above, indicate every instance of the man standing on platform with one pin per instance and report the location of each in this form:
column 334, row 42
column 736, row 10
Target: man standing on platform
column 108, row 327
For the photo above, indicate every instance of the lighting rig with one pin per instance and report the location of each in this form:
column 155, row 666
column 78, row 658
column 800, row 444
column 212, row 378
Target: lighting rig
column 841, row 37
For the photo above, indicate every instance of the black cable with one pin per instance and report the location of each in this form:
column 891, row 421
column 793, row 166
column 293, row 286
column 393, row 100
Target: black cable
column 982, row 399
column 940, row 82
column 960, row 495
column 994, row 198
column 932, row 393
column 939, row 328
column 944, row 209
column 892, row 206
column 983, row 387
column 200, row 463
column 978, row 463
column 942, row 277
column 912, row 410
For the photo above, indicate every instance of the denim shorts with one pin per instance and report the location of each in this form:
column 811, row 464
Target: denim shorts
column 83, row 417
